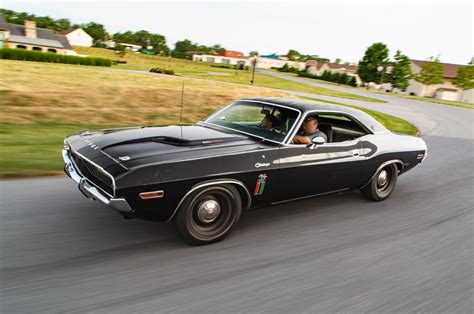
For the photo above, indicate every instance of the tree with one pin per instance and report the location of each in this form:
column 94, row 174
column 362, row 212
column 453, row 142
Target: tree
column 293, row 54
column 253, row 53
column 144, row 39
column 376, row 55
column 95, row 30
column 401, row 71
column 431, row 73
column 337, row 61
column 326, row 75
column 353, row 81
column 321, row 59
column 217, row 48
column 465, row 77
column 343, row 78
column 335, row 77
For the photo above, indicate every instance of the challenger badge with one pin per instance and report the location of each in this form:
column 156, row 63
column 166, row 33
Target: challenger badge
column 260, row 184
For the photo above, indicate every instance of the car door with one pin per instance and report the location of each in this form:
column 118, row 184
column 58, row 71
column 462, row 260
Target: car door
column 305, row 171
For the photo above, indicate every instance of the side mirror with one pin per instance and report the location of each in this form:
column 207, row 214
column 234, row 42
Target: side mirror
column 318, row 140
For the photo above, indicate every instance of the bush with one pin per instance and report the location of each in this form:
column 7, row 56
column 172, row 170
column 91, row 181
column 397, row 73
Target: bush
column 343, row 78
column 162, row 71
column 29, row 55
column 340, row 78
column 353, row 81
column 326, row 76
column 223, row 65
column 287, row 68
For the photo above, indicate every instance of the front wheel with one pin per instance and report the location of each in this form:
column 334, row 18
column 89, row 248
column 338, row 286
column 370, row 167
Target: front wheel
column 209, row 214
column 382, row 184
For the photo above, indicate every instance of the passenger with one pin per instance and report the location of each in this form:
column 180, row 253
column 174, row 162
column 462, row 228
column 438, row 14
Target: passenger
column 269, row 122
column 308, row 131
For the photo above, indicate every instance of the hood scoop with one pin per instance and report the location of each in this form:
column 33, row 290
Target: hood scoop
column 177, row 141
column 186, row 142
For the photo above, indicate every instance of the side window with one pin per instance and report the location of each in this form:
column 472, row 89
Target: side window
column 340, row 128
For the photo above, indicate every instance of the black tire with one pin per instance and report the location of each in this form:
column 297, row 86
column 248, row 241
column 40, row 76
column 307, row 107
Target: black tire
column 197, row 225
column 375, row 191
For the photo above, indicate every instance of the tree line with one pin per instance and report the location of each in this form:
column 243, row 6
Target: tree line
column 97, row 31
column 376, row 67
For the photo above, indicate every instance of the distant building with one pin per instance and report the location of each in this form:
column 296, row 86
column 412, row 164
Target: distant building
column 230, row 53
column 130, row 47
column 446, row 90
column 109, row 43
column 78, row 37
column 268, row 63
column 195, row 52
column 317, row 68
column 29, row 37
column 263, row 63
column 245, row 61
column 270, row 56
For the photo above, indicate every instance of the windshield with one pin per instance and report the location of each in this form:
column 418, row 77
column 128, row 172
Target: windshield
column 267, row 121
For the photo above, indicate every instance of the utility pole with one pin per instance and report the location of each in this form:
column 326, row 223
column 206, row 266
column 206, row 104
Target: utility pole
column 254, row 63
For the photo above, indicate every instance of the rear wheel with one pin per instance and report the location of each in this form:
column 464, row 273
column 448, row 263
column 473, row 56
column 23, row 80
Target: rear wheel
column 208, row 215
column 382, row 184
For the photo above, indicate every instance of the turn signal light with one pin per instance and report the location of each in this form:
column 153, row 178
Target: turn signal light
column 154, row 194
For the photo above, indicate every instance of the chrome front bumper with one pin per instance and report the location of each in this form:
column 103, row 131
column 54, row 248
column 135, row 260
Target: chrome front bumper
column 90, row 190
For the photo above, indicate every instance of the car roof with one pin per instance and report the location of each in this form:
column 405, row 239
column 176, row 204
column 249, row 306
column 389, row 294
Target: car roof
column 306, row 106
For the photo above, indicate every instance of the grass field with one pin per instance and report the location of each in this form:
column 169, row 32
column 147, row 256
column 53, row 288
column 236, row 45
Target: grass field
column 41, row 103
column 205, row 70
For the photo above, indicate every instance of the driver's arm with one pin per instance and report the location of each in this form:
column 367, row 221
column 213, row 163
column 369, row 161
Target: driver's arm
column 301, row 139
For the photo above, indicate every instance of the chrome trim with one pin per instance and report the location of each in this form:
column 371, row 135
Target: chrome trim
column 90, row 190
column 393, row 161
column 426, row 154
column 209, row 183
column 309, row 196
column 98, row 167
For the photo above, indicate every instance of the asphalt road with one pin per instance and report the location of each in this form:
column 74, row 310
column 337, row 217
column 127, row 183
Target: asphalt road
column 411, row 253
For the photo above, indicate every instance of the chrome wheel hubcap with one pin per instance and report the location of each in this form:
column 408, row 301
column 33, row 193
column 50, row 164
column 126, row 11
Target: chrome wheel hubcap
column 383, row 178
column 208, row 211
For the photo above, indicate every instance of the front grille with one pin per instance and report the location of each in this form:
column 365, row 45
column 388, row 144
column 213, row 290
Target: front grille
column 94, row 174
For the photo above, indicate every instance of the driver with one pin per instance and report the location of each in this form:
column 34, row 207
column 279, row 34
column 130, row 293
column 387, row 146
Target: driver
column 309, row 130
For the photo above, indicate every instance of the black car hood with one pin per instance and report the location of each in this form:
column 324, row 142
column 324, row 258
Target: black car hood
column 128, row 146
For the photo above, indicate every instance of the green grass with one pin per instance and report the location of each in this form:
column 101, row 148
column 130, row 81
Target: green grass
column 84, row 97
column 392, row 123
column 33, row 150
column 205, row 70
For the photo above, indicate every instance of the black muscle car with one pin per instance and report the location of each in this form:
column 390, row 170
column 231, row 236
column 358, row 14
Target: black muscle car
column 203, row 176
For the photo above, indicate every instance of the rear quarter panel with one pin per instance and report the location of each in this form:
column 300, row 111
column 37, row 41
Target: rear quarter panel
column 383, row 147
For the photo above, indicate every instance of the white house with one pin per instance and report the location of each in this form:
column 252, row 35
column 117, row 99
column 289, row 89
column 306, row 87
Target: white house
column 263, row 63
column 30, row 37
column 78, row 37
column 446, row 90
column 317, row 68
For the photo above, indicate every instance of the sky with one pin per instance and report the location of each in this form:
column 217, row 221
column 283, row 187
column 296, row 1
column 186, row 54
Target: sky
column 333, row 29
